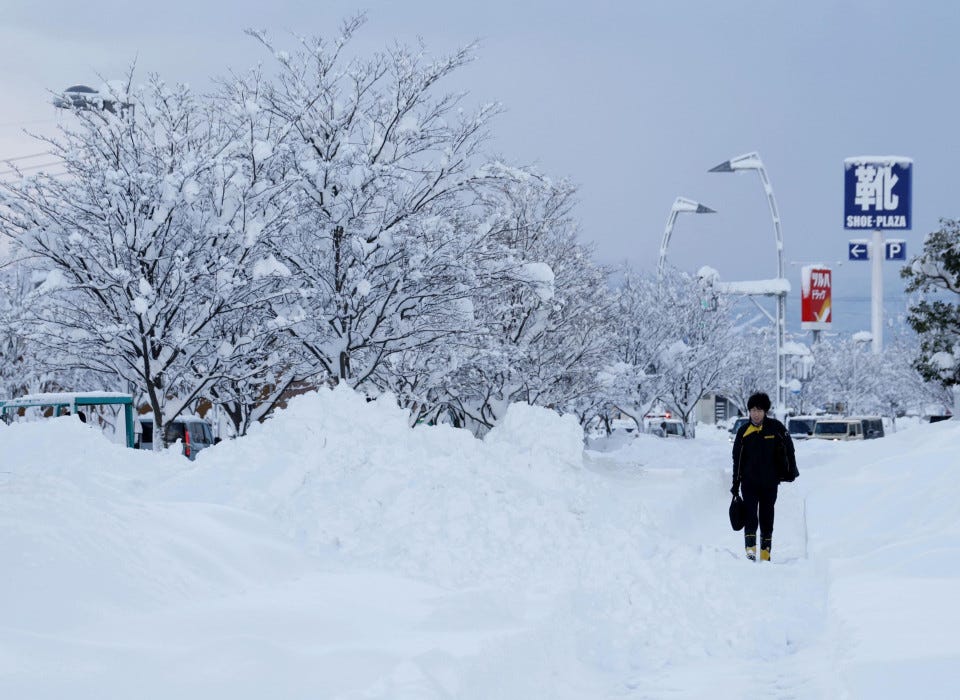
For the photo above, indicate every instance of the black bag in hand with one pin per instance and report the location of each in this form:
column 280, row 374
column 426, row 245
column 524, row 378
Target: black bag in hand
column 738, row 514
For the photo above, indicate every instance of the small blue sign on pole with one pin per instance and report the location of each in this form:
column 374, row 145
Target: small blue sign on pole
column 877, row 193
column 895, row 250
column 858, row 250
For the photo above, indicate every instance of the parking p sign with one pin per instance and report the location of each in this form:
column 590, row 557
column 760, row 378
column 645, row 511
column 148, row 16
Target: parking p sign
column 877, row 193
column 895, row 250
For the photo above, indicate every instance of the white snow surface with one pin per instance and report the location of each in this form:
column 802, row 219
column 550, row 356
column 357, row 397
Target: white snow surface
column 772, row 287
column 337, row 553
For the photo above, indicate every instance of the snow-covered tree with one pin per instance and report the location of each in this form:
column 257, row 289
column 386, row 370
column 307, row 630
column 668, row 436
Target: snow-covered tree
column 751, row 367
column 900, row 387
column 694, row 362
column 257, row 201
column 541, row 313
column 639, row 331
column 147, row 255
column 935, row 316
column 19, row 372
column 843, row 374
column 847, row 377
column 419, row 371
column 378, row 160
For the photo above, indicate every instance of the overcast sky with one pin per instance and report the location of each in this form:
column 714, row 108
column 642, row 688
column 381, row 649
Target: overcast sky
column 633, row 101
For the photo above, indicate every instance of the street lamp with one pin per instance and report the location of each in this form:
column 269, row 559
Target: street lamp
column 751, row 161
column 85, row 97
column 680, row 205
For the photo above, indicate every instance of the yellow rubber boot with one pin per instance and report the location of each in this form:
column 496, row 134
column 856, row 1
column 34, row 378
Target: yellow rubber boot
column 764, row 555
column 752, row 553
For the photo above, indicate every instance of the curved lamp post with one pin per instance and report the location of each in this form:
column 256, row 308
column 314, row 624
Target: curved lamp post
column 680, row 205
column 85, row 97
column 751, row 161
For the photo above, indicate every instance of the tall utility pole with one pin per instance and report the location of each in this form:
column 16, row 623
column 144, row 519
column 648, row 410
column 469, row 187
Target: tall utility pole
column 876, row 292
column 751, row 161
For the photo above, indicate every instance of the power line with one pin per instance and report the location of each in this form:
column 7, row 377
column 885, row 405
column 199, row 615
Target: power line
column 27, row 157
column 30, row 167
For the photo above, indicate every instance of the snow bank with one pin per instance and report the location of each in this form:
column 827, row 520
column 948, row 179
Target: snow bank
column 886, row 515
column 540, row 436
column 349, row 476
column 78, row 540
column 336, row 552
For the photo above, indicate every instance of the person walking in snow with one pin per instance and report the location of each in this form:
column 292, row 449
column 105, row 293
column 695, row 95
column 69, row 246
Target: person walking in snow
column 763, row 456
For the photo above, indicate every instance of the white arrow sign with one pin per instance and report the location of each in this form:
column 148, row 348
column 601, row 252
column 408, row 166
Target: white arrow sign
column 858, row 250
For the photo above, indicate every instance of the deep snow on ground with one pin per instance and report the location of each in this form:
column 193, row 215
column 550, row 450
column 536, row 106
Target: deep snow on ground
column 336, row 553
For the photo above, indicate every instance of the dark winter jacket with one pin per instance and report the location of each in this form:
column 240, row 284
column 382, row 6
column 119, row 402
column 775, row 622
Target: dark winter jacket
column 759, row 453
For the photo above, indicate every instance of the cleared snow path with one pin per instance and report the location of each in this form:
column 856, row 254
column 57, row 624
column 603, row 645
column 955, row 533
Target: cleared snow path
column 719, row 625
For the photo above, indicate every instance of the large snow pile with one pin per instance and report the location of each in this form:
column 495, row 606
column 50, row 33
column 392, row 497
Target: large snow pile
column 349, row 476
column 336, row 552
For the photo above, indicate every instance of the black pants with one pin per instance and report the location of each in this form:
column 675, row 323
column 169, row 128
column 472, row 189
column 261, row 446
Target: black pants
column 758, row 502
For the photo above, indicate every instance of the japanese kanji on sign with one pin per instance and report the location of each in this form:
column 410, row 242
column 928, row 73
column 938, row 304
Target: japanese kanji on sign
column 815, row 302
column 877, row 193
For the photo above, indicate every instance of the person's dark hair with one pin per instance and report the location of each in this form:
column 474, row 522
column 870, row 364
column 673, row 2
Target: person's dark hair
column 759, row 400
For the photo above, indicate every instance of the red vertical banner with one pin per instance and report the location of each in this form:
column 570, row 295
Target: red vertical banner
column 816, row 310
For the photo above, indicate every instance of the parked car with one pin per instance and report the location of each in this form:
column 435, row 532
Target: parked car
column 737, row 424
column 662, row 424
column 872, row 427
column 193, row 432
column 801, row 427
column 838, row 429
column 668, row 427
column 623, row 425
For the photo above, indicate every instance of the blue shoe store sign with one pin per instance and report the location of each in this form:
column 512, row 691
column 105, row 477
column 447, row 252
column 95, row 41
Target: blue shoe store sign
column 877, row 193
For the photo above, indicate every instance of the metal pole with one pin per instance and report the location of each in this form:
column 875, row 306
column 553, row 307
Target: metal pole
column 668, row 231
column 752, row 161
column 781, row 298
column 128, row 422
column 876, row 292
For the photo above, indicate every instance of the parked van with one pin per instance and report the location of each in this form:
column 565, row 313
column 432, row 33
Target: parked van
column 801, row 427
column 872, row 427
column 838, row 429
column 194, row 433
